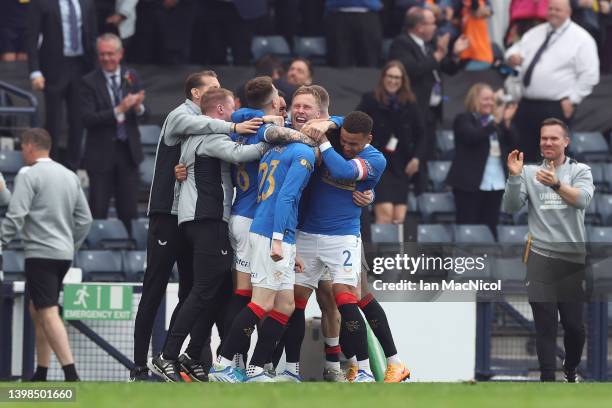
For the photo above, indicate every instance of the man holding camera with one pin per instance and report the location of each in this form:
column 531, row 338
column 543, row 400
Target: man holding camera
column 558, row 67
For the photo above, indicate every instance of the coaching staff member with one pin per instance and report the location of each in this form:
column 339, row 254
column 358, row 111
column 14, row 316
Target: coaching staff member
column 49, row 207
column 559, row 189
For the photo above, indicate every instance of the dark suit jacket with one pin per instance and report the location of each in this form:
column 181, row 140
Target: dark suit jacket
column 44, row 18
column 99, row 120
column 420, row 69
column 472, row 150
column 406, row 123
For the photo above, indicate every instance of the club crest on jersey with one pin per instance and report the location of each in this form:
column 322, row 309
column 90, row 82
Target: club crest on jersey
column 306, row 164
column 349, row 185
column 352, row 326
column 248, row 331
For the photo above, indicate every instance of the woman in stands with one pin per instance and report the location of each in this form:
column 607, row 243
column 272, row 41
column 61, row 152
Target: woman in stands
column 398, row 132
column 483, row 139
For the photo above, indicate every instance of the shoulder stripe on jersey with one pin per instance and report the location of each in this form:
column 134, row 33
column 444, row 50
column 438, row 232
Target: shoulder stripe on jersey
column 362, row 168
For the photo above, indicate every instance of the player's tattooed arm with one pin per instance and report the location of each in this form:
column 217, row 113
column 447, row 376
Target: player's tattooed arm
column 283, row 135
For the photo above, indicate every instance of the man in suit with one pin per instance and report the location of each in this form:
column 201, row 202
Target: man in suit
column 112, row 103
column 424, row 65
column 66, row 53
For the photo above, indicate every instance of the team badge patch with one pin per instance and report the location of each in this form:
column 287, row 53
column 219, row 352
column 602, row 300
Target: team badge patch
column 306, row 164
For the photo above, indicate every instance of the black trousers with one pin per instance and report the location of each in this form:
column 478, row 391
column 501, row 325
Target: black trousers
column 354, row 38
column 554, row 288
column 529, row 116
column 121, row 182
column 478, row 207
column 212, row 262
column 165, row 246
column 65, row 90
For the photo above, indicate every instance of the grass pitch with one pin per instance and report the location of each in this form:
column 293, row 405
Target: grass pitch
column 323, row 395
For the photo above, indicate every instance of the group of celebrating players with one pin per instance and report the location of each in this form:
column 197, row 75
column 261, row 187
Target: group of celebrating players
column 284, row 196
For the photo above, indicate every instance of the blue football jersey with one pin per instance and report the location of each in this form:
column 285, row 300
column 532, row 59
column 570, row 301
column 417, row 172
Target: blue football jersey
column 328, row 208
column 283, row 173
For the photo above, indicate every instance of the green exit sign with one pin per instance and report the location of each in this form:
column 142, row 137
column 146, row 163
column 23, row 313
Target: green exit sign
column 97, row 302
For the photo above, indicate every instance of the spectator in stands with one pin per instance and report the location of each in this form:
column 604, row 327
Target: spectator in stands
column 399, row 133
column 112, row 103
column 444, row 11
column 483, row 138
column 122, row 20
column 67, row 52
column 524, row 15
column 267, row 65
column 559, row 67
column 49, row 207
column 300, row 73
column 424, row 66
column 475, row 28
column 13, row 31
column 354, row 32
column 592, row 16
column 226, row 24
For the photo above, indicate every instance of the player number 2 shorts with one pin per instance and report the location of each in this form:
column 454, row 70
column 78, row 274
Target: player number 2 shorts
column 265, row 273
column 339, row 254
column 239, row 227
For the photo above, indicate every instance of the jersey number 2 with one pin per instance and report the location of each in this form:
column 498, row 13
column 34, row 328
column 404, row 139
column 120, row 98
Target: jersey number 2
column 266, row 174
column 347, row 261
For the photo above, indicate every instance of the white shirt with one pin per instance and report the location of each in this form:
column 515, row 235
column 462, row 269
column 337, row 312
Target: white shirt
column 119, row 116
column 65, row 12
column 568, row 68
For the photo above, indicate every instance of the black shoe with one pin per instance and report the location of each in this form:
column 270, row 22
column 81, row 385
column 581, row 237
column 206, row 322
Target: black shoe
column 192, row 369
column 139, row 373
column 570, row 376
column 167, row 370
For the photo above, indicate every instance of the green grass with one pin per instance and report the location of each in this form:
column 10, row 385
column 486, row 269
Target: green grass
column 322, row 395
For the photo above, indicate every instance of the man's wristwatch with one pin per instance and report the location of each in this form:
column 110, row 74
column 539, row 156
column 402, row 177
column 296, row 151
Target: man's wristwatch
column 556, row 186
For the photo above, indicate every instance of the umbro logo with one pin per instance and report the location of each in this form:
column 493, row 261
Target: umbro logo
column 162, row 243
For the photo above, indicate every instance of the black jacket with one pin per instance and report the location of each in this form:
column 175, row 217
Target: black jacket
column 44, row 18
column 99, row 120
column 406, row 123
column 472, row 150
column 420, row 68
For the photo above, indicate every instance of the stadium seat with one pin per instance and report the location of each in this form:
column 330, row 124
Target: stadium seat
column 275, row 45
column 445, row 141
column 11, row 162
column 437, row 171
column 312, row 48
column 16, row 243
column 386, row 233
column 140, row 230
column 607, row 175
column 109, row 234
column 510, row 270
column 412, row 203
column 598, row 173
column 472, row 234
column 599, row 234
column 512, row 234
column 146, row 171
column 434, row 233
column 13, row 265
column 149, row 136
column 134, row 264
column 100, row 266
column 591, row 215
column 604, row 207
column 436, row 207
column 589, row 146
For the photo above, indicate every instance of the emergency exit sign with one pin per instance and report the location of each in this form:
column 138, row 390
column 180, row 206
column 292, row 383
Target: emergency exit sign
column 97, row 302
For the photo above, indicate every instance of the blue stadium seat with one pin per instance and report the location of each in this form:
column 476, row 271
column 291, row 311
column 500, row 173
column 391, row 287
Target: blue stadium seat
column 589, row 146
column 109, row 234
column 412, row 203
column 146, row 171
column 604, row 207
column 598, row 173
column 607, row 175
column 436, row 207
column 13, row 265
column 11, row 162
column 149, row 136
column 312, row 48
column 512, row 234
column 437, row 171
column 434, row 233
column 445, row 141
column 134, row 263
column 140, row 231
column 472, row 234
column 275, row 45
column 16, row 243
column 591, row 215
column 100, row 266
column 386, row 233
